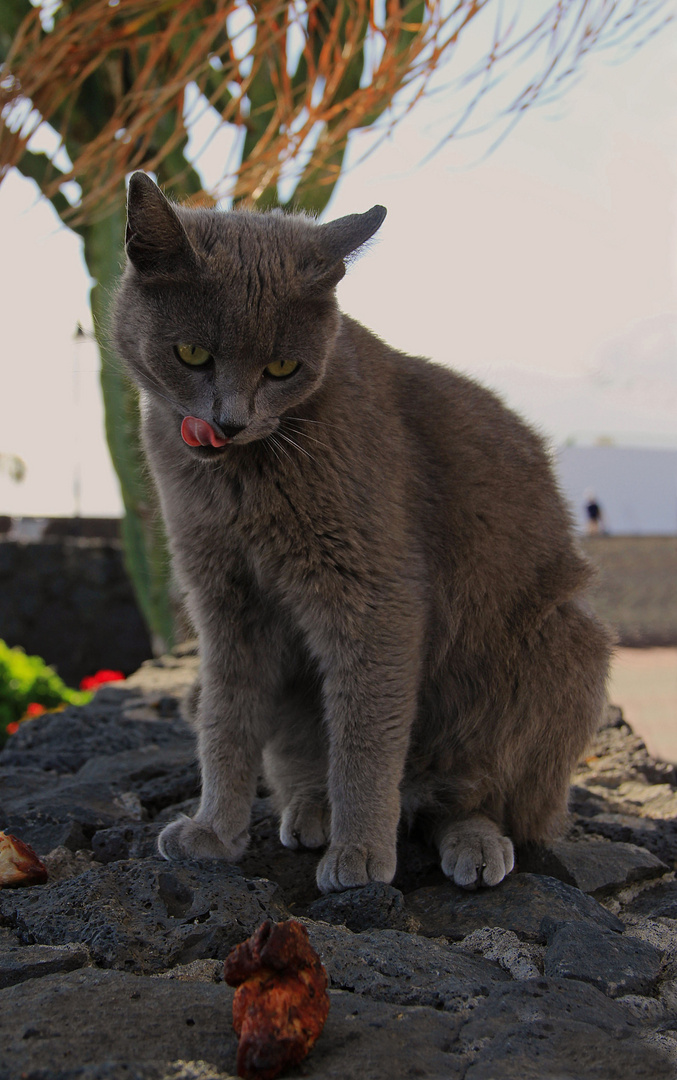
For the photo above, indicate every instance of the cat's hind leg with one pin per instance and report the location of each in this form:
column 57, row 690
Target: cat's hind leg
column 557, row 705
column 474, row 851
column 305, row 821
column 556, row 701
column 295, row 768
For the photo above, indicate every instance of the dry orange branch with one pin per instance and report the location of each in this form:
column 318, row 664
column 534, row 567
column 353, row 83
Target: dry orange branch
column 295, row 76
column 136, row 58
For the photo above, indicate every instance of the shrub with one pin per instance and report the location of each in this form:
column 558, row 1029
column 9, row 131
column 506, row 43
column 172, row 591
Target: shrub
column 28, row 680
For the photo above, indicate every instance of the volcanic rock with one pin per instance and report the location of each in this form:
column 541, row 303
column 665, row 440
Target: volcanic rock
column 113, row 967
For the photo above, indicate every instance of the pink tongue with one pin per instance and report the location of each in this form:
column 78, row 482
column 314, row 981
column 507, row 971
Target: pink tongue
column 198, row 432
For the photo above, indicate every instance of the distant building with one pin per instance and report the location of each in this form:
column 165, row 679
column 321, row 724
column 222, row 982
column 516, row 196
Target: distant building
column 636, row 488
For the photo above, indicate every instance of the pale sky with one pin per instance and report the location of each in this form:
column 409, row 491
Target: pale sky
column 547, row 270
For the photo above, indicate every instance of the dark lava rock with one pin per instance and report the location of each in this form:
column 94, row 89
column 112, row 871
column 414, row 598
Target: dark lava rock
column 611, row 962
column 64, row 742
column 658, row 902
column 616, row 747
column 45, row 835
column 102, row 780
column 90, row 805
column 145, row 916
column 64, row 1023
column 550, row 1050
column 372, row 907
column 548, row 1000
column 49, row 808
column 21, row 962
column 520, row 903
column 622, row 793
column 370, row 1040
column 393, row 966
column 159, row 775
column 593, row 866
column 544, row 1029
column 293, row 871
column 17, row 782
column 133, row 840
column 657, row 835
column 97, row 1024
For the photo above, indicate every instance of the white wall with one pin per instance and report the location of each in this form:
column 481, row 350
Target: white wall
column 636, row 488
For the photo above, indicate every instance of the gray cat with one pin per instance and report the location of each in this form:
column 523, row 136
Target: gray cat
column 373, row 551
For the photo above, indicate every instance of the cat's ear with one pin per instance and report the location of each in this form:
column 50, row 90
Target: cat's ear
column 155, row 240
column 341, row 238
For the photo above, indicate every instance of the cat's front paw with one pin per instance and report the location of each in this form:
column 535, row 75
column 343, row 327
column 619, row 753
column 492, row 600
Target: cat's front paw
column 346, row 866
column 186, row 838
column 305, row 824
column 475, row 852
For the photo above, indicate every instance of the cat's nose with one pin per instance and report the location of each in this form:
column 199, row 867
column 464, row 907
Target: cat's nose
column 231, row 430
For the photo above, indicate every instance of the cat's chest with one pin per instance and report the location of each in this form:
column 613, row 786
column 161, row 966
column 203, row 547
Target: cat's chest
column 281, row 529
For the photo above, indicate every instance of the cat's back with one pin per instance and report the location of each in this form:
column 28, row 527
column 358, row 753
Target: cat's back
column 481, row 489
column 459, row 434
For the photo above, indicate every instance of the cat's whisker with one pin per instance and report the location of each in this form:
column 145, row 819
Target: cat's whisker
column 113, row 364
column 269, row 448
column 306, row 420
column 281, row 448
column 154, row 387
column 326, row 446
column 305, row 435
column 299, row 448
column 269, row 442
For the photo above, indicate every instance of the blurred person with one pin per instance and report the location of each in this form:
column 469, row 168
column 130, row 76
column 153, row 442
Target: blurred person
column 593, row 512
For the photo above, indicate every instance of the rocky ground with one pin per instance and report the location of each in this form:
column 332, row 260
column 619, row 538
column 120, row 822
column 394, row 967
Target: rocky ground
column 568, row 970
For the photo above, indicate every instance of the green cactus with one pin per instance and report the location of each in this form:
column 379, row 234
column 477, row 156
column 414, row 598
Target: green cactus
column 144, row 541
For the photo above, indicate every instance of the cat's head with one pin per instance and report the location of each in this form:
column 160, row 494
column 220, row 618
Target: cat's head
column 226, row 319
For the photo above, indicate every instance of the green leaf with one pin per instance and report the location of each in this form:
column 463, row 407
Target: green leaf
column 38, row 167
column 317, row 182
column 12, row 14
column 25, row 679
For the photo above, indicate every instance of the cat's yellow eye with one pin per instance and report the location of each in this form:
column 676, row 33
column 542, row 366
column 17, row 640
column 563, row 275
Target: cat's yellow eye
column 279, row 369
column 193, row 355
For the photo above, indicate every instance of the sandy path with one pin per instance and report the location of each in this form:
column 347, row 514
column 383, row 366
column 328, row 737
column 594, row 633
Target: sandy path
column 644, row 683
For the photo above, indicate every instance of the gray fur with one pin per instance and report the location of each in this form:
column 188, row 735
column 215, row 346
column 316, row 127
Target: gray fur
column 379, row 565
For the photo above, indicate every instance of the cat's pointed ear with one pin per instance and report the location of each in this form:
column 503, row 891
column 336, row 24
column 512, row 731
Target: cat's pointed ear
column 340, row 239
column 155, row 240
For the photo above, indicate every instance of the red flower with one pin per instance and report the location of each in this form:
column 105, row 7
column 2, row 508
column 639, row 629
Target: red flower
column 12, row 727
column 34, row 708
column 104, row 676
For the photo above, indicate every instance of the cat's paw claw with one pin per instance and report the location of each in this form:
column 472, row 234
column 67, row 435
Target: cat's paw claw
column 476, row 856
column 186, row 838
column 304, row 825
column 346, row 866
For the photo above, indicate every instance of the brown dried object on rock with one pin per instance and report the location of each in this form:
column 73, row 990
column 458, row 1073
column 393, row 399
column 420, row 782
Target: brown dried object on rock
column 281, row 1001
column 19, row 865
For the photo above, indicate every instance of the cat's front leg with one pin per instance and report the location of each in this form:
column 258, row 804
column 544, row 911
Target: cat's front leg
column 370, row 707
column 232, row 718
column 229, row 764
